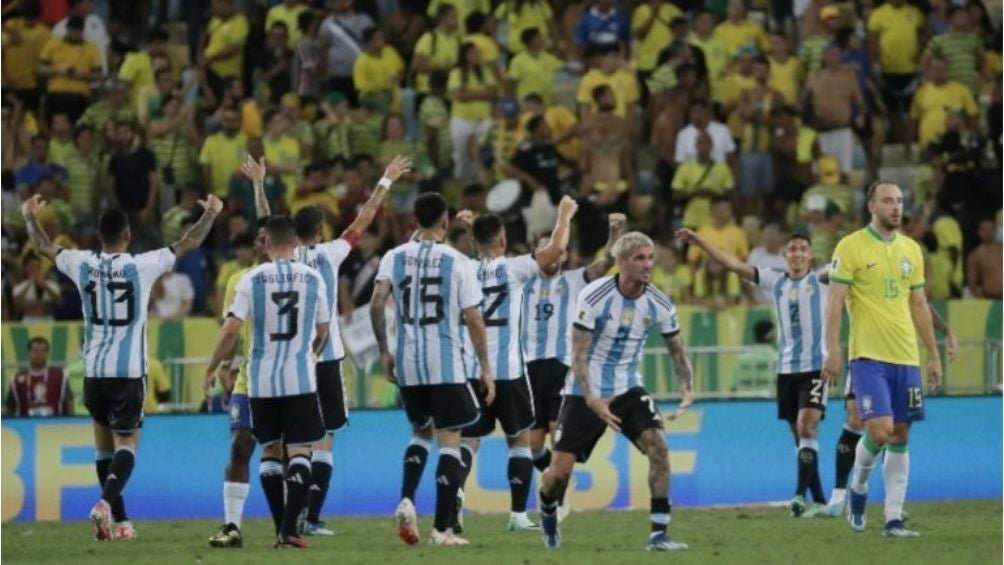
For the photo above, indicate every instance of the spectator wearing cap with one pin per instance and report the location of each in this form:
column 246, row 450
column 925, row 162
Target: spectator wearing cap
column 834, row 106
column 95, row 31
column 288, row 12
column 437, row 49
column 472, row 89
column 738, row 31
column 697, row 181
column 602, row 25
column 38, row 390
column 716, row 54
column 794, row 146
column 500, row 139
column 137, row 67
column 528, row 14
column 895, row 32
column 222, row 51
column 378, row 71
column 341, row 42
column 936, row 98
column 608, row 71
column 532, row 70
column 810, row 52
column 69, row 65
column 24, row 39
column 223, row 152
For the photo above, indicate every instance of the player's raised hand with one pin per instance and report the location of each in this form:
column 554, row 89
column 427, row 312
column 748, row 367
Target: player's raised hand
column 254, row 170
column 567, row 207
column 617, row 222
column 685, row 402
column 685, row 235
column 601, row 407
column 32, row 206
column 398, row 167
column 212, row 203
column 933, row 374
column 387, row 360
column 952, row 346
column 464, row 217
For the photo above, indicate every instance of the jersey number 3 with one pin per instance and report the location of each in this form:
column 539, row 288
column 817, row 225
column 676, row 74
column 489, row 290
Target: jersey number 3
column 286, row 301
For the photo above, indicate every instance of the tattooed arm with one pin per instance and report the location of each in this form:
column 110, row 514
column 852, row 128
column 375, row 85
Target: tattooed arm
column 38, row 237
column 378, row 319
column 196, row 234
column 582, row 341
column 255, row 172
column 684, row 372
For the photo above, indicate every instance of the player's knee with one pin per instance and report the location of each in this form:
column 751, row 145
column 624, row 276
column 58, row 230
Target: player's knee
column 272, row 451
column 807, row 429
column 880, row 434
column 241, row 447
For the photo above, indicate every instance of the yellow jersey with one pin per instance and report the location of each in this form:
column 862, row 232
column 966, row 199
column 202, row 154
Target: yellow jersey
column 463, row 7
column 745, row 34
column 717, row 58
column 534, row 74
column 378, row 73
column 224, row 156
column 22, row 46
column 533, row 14
column 622, row 82
column 881, row 275
column 231, row 32
column 441, row 48
column 659, row 36
column 290, row 17
column 932, row 103
column 691, row 176
column 284, row 151
column 786, row 78
column 82, row 57
column 244, row 336
column 898, row 31
column 487, row 48
column 476, row 109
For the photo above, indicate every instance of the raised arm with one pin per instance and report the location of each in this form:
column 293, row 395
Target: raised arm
column 684, row 372
column 941, row 326
column 921, row 314
column 603, row 264
column 196, row 234
column 551, row 253
column 398, row 167
column 255, row 171
column 378, row 319
column 834, row 316
column 224, row 348
column 38, row 237
column 479, row 339
column 731, row 263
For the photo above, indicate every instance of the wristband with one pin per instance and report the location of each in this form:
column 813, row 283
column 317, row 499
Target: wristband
column 385, row 182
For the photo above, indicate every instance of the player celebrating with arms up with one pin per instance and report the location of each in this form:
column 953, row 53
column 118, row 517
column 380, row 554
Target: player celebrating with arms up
column 799, row 297
column 115, row 287
column 880, row 273
column 614, row 316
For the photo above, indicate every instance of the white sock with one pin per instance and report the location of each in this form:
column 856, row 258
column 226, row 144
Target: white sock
column 864, row 461
column 896, row 473
column 234, row 495
column 837, row 495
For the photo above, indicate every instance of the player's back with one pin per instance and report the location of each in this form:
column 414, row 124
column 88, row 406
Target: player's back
column 284, row 302
column 432, row 285
column 115, row 292
column 327, row 258
column 502, row 280
column 547, row 315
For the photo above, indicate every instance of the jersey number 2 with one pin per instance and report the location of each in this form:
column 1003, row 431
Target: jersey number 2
column 287, row 301
column 120, row 292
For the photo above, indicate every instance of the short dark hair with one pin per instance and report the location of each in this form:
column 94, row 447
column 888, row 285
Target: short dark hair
column 281, row 230
column 720, row 199
column 870, row 193
column 533, row 97
column 126, row 122
column 474, row 21
column 38, row 339
column 799, row 235
column 75, row 22
column 534, row 123
column 678, row 21
column 159, row 34
column 80, row 129
column 309, row 220
column 429, row 209
column 473, row 189
column 455, row 233
column 112, row 226
column 305, row 20
column 599, row 90
column 528, row 35
column 369, row 32
column 261, row 222
column 487, row 228
column 438, row 80
column 243, row 241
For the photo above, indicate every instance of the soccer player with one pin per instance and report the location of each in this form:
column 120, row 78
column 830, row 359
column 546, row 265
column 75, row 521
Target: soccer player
column 549, row 298
column 799, row 300
column 612, row 320
column 115, row 289
column 880, row 274
column 502, row 279
column 327, row 258
column 289, row 316
column 434, row 290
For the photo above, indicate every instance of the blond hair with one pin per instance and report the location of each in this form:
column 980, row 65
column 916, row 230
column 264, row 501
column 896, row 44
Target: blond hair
column 626, row 243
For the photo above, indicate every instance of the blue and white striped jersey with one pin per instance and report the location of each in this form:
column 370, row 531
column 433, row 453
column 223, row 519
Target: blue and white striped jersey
column 115, row 292
column 547, row 315
column 326, row 258
column 432, row 286
column 800, row 307
column 285, row 302
column 620, row 328
column 502, row 280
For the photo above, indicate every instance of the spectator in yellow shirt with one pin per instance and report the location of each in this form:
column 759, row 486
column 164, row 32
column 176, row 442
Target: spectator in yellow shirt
column 650, row 25
column 288, row 12
column 223, row 45
column 472, row 89
column 895, row 30
column 479, row 33
column 786, row 72
column 560, row 120
column 607, row 71
column 436, row 50
column 936, row 98
column 738, row 31
column 282, row 151
column 532, row 71
column 69, row 65
column 463, row 8
column 377, row 72
column 223, row 152
column 716, row 54
column 722, row 231
column 521, row 15
column 23, row 40
column 137, row 67
column 697, row 181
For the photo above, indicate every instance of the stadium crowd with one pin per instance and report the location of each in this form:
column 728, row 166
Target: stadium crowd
column 742, row 121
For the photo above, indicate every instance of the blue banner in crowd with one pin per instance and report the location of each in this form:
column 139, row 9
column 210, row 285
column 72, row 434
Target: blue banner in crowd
column 721, row 453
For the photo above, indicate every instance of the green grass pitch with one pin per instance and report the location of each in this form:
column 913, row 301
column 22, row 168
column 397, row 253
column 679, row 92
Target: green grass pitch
column 951, row 532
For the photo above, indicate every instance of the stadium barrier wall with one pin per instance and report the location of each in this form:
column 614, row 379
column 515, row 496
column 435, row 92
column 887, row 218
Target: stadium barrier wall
column 724, row 453
column 193, row 339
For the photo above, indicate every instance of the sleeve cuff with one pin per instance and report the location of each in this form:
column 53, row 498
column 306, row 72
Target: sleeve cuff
column 918, row 285
column 668, row 335
column 581, row 327
column 756, row 276
column 841, row 280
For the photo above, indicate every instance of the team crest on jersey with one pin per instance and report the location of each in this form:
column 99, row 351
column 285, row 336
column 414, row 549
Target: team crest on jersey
column 866, row 404
column 544, row 293
column 906, row 267
column 647, row 321
column 627, row 317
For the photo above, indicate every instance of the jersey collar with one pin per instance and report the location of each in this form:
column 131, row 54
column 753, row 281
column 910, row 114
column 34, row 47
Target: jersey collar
column 871, row 231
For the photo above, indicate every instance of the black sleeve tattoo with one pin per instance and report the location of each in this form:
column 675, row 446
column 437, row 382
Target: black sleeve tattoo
column 39, row 238
column 195, row 234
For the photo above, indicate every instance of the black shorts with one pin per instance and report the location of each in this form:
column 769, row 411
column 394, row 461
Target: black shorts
column 447, row 406
column 547, row 379
column 579, row 428
column 898, row 90
column 331, row 394
column 293, row 420
column 512, row 407
column 796, row 391
column 116, row 404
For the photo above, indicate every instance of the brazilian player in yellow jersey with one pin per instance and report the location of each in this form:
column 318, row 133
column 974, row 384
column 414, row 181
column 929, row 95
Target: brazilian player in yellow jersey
column 879, row 273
